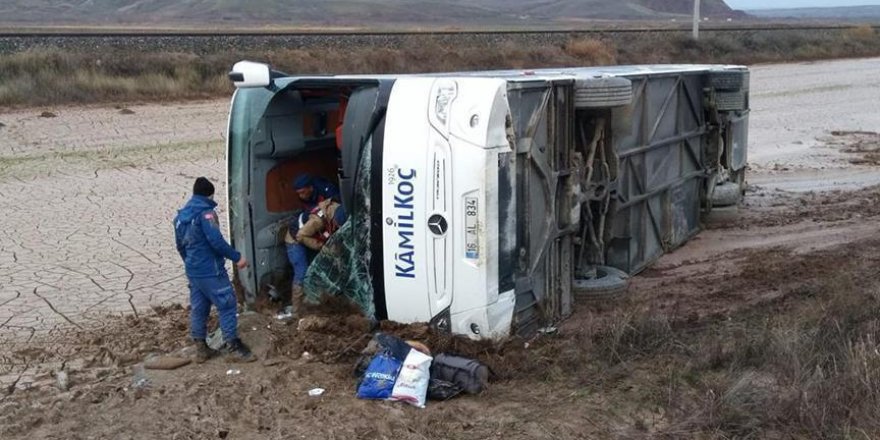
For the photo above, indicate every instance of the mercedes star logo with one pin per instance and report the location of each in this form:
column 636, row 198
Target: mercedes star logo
column 437, row 224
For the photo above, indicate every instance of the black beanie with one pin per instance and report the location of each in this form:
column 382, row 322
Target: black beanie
column 203, row 187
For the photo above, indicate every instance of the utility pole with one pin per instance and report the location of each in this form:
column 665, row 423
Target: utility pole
column 697, row 19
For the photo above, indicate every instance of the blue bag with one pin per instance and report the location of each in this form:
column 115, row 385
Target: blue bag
column 378, row 381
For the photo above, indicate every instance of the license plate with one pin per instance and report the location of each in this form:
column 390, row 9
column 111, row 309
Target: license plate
column 471, row 238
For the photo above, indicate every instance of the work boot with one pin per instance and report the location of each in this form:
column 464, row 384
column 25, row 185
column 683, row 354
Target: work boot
column 203, row 352
column 240, row 352
column 297, row 299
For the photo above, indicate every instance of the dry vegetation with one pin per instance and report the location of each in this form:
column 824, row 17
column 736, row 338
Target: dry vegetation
column 802, row 365
column 41, row 77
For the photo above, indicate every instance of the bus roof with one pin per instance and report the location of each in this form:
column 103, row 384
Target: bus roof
column 547, row 74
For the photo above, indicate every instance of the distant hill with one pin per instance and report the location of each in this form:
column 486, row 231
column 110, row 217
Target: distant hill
column 846, row 13
column 363, row 13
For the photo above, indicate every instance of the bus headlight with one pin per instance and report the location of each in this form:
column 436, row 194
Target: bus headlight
column 443, row 93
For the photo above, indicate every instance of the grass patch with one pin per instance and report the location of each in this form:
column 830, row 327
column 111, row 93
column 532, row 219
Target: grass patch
column 811, row 372
column 45, row 77
column 802, row 365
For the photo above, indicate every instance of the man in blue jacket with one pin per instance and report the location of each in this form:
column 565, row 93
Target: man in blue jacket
column 204, row 252
column 312, row 190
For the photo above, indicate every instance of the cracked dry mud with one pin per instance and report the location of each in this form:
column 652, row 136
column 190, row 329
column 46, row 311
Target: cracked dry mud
column 87, row 201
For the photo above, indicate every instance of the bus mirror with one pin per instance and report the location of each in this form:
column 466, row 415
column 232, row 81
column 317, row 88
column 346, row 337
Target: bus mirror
column 247, row 74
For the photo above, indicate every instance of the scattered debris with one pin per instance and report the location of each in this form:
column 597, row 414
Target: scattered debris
column 442, row 390
column 549, row 330
column 233, row 372
column 48, row 115
column 286, row 314
column 271, row 362
column 410, row 373
column 140, row 380
column 312, row 323
column 62, row 380
column 315, row 392
column 166, row 362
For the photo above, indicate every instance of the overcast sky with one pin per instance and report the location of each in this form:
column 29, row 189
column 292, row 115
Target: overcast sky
column 778, row 4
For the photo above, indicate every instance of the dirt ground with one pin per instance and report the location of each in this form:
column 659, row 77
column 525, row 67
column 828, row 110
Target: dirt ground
column 90, row 285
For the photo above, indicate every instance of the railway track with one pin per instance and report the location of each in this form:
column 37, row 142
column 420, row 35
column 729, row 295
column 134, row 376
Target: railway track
column 206, row 42
column 98, row 33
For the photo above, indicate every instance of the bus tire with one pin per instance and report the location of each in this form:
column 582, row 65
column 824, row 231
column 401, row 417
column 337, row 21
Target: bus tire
column 731, row 80
column 608, row 283
column 602, row 93
column 727, row 194
column 730, row 101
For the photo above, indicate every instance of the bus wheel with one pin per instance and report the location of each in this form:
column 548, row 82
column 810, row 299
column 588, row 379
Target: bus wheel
column 732, row 80
column 602, row 93
column 730, row 101
column 606, row 283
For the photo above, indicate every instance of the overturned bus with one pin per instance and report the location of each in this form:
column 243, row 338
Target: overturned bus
column 481, row 202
